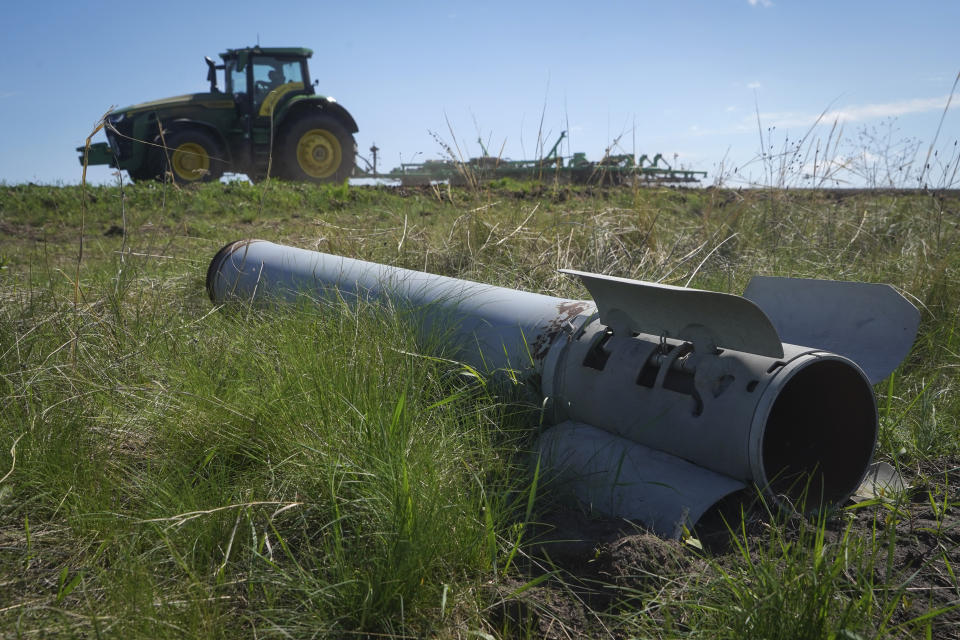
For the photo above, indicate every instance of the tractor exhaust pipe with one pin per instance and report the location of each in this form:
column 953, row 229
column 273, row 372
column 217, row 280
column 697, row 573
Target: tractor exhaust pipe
column 663, row 399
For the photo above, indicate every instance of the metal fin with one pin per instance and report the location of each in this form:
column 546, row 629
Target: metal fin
column 872, row 324
column 732, row 322
column 882, row 481
column 621, row 478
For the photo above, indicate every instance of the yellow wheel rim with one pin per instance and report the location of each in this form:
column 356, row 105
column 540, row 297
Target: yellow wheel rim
column 190, row 162
column 319, row 153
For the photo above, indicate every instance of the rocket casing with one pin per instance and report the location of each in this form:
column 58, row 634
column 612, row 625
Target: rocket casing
column 496, row 327
column 665, row 399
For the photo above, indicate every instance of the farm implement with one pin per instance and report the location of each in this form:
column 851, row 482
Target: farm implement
column 575, row 169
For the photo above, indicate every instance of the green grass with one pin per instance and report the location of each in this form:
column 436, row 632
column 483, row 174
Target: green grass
column 241, row 471
column 168, row 470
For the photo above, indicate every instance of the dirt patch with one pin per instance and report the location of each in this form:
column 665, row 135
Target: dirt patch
column 580, row 568
column 23, row 232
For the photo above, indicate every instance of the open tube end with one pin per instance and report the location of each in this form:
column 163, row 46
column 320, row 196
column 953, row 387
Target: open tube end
column 217, row 263
column 818, row 434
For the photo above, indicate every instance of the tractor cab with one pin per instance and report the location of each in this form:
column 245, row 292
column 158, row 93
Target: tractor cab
column 261, row 79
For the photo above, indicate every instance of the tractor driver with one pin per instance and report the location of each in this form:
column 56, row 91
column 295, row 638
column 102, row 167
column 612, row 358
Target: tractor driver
column 276, row 78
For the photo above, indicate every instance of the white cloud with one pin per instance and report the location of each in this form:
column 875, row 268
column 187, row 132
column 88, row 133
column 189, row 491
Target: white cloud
column 730, row 109
column 891, row 109
column 747, row 123
column 760, row 3
column 857, row 113
column 754, row 85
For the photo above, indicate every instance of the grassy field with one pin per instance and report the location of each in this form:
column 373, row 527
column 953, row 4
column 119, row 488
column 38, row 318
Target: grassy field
column 170, row 470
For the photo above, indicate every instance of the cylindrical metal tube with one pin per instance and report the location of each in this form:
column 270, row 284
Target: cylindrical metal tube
column 497, row 327
column 803, row 425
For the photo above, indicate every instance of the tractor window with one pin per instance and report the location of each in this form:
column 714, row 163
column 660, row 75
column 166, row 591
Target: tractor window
column 236, row 78
column 274, row 77
column 276, row 71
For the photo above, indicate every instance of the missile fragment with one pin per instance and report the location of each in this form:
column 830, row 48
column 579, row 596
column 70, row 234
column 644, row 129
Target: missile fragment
column 663, row 399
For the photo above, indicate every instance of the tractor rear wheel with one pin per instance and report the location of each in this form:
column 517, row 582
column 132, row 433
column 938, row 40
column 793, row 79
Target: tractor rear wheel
column 193, row 155
column 317, row 148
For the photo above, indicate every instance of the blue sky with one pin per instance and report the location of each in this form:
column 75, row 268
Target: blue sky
column 683, row 77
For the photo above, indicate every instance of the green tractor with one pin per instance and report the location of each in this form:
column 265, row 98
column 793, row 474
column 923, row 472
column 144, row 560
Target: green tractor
column 268, row 119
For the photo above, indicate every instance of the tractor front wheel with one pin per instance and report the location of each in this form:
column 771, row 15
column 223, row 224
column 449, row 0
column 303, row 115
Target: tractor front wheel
column 317, row 148
column 193, row 155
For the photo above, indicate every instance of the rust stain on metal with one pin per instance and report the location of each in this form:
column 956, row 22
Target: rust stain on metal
column 566, row 311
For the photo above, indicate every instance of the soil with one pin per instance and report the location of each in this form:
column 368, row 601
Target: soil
column 580, row 567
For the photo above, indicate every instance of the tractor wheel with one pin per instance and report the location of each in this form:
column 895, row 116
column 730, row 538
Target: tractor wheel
column 193, row 155
column 317, row 148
